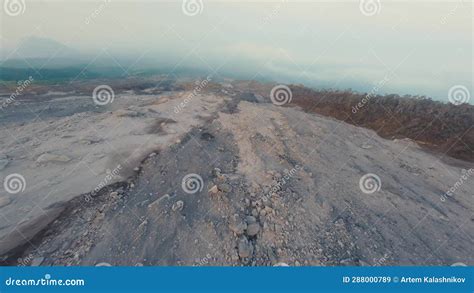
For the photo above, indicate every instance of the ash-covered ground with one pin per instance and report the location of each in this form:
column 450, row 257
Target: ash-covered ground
column 217, row 174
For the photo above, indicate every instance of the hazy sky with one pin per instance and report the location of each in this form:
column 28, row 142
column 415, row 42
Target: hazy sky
column 418, row 47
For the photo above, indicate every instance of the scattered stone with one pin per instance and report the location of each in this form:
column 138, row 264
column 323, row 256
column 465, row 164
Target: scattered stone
column 98, row 218
column 253, row 229
column 4, row 201
column 224, row 187
column 213, row 190
column 50, row 158
column 245, row 248
column 366, row 146
column 247, row 202
column 178, row 206
column 250, row 220
column 237, row 225
column 255, row 213
column 216, row 172
column 234, row 256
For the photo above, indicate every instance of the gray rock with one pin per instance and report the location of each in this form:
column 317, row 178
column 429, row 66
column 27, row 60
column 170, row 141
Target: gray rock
column 178, row 206
column 224, row 187
column 250, row 220
column 213, row 190
column 255, row 213
column 253, row 229
column 216, row 172
column 237, row 225
column 245, row 248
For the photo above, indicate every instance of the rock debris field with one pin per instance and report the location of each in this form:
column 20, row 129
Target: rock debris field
column 221, row 177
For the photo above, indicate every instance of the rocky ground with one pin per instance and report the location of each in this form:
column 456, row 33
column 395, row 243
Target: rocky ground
column 267, row 185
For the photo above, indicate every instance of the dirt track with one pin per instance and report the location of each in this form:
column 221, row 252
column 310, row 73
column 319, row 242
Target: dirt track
column 278, row 185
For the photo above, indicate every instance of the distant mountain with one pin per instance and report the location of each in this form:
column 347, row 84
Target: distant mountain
column 36, row 47
column 37, row 52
